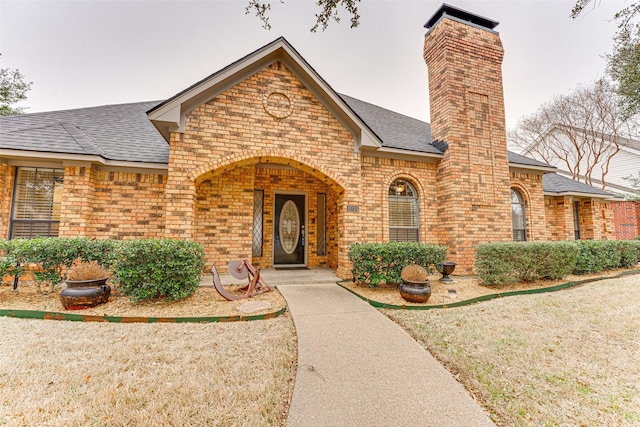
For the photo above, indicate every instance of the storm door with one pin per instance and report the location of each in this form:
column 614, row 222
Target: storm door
column 289, row 232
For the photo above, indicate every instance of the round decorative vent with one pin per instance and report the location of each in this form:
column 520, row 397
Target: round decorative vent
column 278, row 105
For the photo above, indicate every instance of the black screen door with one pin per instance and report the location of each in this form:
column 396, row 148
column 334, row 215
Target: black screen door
column 289, row 231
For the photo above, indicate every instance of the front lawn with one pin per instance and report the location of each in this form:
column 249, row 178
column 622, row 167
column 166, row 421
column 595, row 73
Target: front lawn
column 562, row 358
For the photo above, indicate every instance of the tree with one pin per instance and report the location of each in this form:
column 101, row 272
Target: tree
column 579, row 132
column 635, row 184
column 623, row 64
column 13, row 88
column 329, row 9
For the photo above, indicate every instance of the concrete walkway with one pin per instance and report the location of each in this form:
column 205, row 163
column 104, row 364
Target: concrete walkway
column 358, row 368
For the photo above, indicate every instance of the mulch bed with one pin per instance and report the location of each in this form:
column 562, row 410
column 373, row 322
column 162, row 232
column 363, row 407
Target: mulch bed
column 465, row 287
column 205, row 302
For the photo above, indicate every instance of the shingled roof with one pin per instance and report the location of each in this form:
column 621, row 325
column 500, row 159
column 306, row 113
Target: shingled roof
column 120, row 132
column 393, row 129
column 558, row 185
column 123, row 132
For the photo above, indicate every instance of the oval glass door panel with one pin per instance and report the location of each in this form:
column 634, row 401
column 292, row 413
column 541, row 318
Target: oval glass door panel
column 289, row 227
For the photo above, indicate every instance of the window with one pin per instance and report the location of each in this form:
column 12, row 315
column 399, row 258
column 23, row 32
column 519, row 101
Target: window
column 403, row 212
column 322, row 224
column 36, row 202
column 258, row 208
column 518, row 217
column 576, row 220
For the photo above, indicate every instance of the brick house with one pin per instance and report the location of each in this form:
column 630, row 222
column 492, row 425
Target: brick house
column 623, row 161
column 264, row 160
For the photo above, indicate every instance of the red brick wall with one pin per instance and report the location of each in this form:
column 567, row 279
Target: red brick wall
column 626, row 219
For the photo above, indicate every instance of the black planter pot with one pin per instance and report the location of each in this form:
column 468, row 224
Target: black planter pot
column 81, row 294
column 447, row 268
column 85, row 283
column 415, row 291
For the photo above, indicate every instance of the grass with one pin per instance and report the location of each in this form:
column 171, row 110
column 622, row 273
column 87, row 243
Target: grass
column 564, row 358
column 95, row 374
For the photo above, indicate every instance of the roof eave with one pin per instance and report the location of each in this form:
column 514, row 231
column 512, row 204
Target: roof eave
column 545, row 169
column 68, row 157
column 579, row 194
column 401, row 154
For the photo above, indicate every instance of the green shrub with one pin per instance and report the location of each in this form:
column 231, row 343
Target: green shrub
column 506, row 263
column 7, row 261
column 153, row 269
column 50, row 254
column 629, row 253
column 373, row 263
column 598, row 255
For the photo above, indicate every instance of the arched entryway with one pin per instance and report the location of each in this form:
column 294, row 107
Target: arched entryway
column 275, row 212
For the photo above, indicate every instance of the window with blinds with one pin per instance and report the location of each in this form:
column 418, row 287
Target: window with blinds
column 36, row 202
column 403, row 212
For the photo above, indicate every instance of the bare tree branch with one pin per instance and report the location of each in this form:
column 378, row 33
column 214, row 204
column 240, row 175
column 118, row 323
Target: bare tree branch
column 579, row 132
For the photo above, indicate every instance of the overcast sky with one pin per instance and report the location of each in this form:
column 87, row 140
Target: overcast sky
column 88, row 53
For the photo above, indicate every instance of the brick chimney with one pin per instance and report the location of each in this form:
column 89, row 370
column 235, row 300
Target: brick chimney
column 464, row 59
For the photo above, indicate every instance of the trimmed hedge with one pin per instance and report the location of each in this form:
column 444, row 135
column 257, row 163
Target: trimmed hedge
column 373, row 263
column 152, row 269
column 146, row 269
column 598, row 255
column 512, row 262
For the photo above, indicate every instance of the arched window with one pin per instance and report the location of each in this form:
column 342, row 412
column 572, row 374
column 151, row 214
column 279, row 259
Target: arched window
column 518, row 216
column 403, row 212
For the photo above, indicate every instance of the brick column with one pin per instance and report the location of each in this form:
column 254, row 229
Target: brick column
column 7, row 174
column 464, row 60
column 603, row 228
column 76, row 207
column 180, row 191
column 349, row 230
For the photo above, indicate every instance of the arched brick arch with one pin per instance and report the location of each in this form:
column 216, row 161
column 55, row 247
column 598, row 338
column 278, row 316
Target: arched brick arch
column 522, row 190
column 303, row 163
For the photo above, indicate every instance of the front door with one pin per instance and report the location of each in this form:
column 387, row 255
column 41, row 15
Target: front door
column 289, row 233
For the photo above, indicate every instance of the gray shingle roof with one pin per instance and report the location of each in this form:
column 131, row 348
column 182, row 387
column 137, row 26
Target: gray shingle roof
column 523, row 160
column 115, row 132
column 555, row 183
column 123, row 132
column 393, row 129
